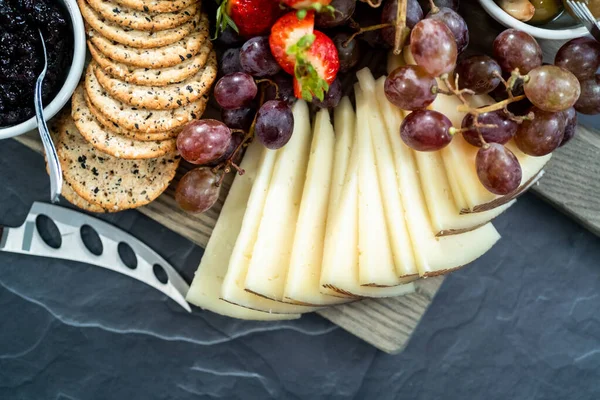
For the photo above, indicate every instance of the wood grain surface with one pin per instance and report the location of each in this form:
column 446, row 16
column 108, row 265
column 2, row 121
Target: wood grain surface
column 571, row 184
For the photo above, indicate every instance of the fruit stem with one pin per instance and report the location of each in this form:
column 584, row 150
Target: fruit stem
column 494, row 107
column 401, row 30
column 373, row 4
column 271, row 82
column 365, row 29
column 434, row 8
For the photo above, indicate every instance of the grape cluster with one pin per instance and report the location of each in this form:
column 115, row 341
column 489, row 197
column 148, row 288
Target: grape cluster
column 536, row 103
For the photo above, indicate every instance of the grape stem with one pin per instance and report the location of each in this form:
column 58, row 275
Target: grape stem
column 374, row 4
column 494, row 107
column 271, row 82
column 434, row 8
column 360, row 31
column 402, row 30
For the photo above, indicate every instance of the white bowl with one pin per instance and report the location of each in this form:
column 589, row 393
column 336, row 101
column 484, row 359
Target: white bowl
column 71, row 82
column 563, row 28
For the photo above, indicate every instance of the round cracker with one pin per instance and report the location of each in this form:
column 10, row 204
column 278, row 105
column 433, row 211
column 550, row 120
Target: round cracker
column 153, row 77
column 109, row 142
column 72, row 197
column 134, row 38
column 128, row 117
column 161, row 57
column 115, row 128
column 161, row 97
column 140, row 20
column 156, row 6
column 112, row 183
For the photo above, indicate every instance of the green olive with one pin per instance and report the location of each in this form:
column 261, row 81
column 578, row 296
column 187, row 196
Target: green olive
column 545, row 11
column 593, row 5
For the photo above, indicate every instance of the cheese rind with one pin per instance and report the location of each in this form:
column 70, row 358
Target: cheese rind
column 434, row 256
column 269, row 265
column 392, row 203
column 302, row 283
column 205, row 291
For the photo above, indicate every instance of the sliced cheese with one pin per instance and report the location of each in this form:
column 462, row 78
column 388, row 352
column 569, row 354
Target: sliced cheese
column 459, row 159
column 395, row 61
column 269, row 265
column 302, row 283
column 340, row 268
column 392, row 203
column 205, row 291
column 434, row 255
column 345, row 121
column 376, row 263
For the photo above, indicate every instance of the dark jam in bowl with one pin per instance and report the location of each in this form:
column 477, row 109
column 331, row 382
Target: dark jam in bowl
column 21, row 57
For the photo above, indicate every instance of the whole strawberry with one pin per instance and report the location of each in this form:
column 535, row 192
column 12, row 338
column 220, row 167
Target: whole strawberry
column 248, row 17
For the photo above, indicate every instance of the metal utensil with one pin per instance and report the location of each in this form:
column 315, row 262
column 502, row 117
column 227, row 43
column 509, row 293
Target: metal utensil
column 55, row 171
column 26, row 239
column 585, row 16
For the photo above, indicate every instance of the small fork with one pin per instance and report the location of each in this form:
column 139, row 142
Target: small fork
column 583, row 13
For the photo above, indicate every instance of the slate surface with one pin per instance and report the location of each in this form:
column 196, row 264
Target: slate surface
column 523, row 322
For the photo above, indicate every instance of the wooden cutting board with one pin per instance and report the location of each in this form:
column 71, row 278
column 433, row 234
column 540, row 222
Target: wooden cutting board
column 571, row 184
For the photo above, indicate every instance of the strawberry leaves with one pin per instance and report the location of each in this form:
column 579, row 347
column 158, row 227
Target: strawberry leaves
column 223, row 20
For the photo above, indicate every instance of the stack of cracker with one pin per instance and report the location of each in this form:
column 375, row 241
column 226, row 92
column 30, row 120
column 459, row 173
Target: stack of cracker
column 151, row 70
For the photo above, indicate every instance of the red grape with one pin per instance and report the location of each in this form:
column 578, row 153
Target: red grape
column 230, row 62
column 426, row 130
column 256, row 58
column 236, row 139
column 543, row 134
column 433, row 46
column 410, row 88
column 235, row 90
column 285, row 86
column 517, row 49
column 589, row 100
column 229, row 37
column 478, row 73
column 349, row 54
column 552, row 88
column 570, row 126
column 414, row 14
column 274, row 124
column 504, row 130
column 580, row 56
column 498, row 169
column 197, row 191
column 452, row 4
column 238, row 118
column 203, row 141
column 332, row 96
column 456, row 24
column 342, row 14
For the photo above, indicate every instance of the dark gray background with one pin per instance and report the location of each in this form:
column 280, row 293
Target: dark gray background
column 522, row 322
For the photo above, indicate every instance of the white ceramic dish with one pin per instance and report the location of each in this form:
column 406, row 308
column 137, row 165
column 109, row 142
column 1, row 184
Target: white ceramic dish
column 563, row 28
column 71, row 81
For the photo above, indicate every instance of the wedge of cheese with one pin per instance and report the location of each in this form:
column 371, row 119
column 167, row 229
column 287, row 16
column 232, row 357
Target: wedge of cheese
column 434, row 255
column 302, row 283
column 340, row 268
column 272, row 251
column 345, row 133
column 392, row 203
column 233, row 289
column 205, row 291
column 459, row 159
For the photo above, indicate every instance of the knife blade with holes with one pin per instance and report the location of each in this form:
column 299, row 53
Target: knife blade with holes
column 26, row 239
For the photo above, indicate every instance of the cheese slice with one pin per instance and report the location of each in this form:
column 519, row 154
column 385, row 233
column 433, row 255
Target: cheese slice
column 345, row 121
column 233, row 289
column 269, row 265
column 302, row 283
column 394, row 61
column 205, row 290
column 434, row 255
column 340, row 268
column 392, row 203
column 459, row 159
column 376, row 263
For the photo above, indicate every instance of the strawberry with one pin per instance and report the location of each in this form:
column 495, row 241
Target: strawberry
column 286, row 32
column 306, row 4
column 316, row 67
column 247, row 17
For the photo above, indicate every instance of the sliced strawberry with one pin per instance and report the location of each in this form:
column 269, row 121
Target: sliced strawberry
column 316, row 68
column 306, row 4
column 248, row 17
column 286, row 32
